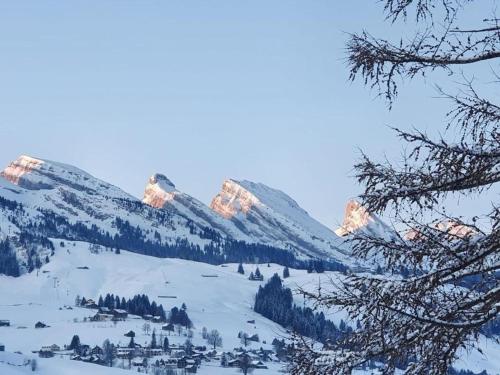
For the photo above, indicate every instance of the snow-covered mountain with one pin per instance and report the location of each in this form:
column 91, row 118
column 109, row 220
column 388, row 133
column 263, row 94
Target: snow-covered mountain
column 270, row 216
column 42, row 199
column 50, row 199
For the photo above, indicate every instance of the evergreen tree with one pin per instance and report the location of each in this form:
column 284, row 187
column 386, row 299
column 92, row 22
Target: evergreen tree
column 286, row 272
column 8, row 261
column 240, row 269
column 257, row 272
column 153, row 339
column 275, row 302
column 165, row 344
column 75, row 343
column 131, row 344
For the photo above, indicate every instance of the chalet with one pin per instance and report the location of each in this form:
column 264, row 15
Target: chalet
column 2, row 347
column 255, row 277
column 184, row 361
column 168, row 327
column 120, row 314
column 96, row 350
column 147, row 317
column 41, row 325
column 130, row 334
column 4, row 323
column 139, row 363
column 191, row 369
column 153, row 352
column 45, row 354
column 254, row 338
column 84, row 350
column 156, row 319
column 125, row 352
column 259, row 365
column 101, row 317
column 52, row 348
column 251, row 321
column 104, row 310
column 234, row 363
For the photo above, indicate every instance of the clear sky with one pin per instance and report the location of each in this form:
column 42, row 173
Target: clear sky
column 200, row 91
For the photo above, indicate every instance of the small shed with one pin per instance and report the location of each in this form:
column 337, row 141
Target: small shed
column 40, row 325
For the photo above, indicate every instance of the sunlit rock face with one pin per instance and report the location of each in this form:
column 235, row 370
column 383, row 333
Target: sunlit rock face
column 41, row 174
column 20, row 167
column 355, row 217
column 452, row 228
column 233, row 200
column 159, row 191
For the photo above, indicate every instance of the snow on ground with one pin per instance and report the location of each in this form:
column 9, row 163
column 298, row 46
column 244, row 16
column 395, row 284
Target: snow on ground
column 224, row 302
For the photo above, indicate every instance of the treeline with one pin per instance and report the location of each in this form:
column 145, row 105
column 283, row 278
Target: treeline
column 135, row 239
column 8, row 261
column 275, row 302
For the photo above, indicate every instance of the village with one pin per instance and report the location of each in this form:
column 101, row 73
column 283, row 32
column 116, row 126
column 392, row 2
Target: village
column 160, row 356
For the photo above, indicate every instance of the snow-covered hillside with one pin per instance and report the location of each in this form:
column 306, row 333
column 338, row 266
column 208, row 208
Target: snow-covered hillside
column 222, row 301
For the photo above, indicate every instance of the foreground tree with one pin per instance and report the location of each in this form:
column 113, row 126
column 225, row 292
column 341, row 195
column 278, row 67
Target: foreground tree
column 441, row 282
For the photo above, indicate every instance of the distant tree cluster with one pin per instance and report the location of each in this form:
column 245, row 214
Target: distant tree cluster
column 137, row 305
column 180, row 316
column 275, row 302
column 8, row 261
column 136, row 239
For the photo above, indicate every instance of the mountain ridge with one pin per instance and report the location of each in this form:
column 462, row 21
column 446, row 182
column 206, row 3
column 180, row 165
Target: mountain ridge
column 45, row 199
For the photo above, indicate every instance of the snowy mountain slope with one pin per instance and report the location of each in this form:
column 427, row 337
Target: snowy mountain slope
column 271, row 216
column 160, row 192
column 56, row 199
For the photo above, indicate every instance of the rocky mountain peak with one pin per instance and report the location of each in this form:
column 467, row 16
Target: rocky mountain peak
column 355, row 217
column 159, row 190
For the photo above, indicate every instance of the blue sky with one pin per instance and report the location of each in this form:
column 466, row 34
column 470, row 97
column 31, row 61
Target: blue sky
column 200, row 91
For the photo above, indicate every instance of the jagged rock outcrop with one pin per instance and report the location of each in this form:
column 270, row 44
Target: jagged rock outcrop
column 357, row 218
